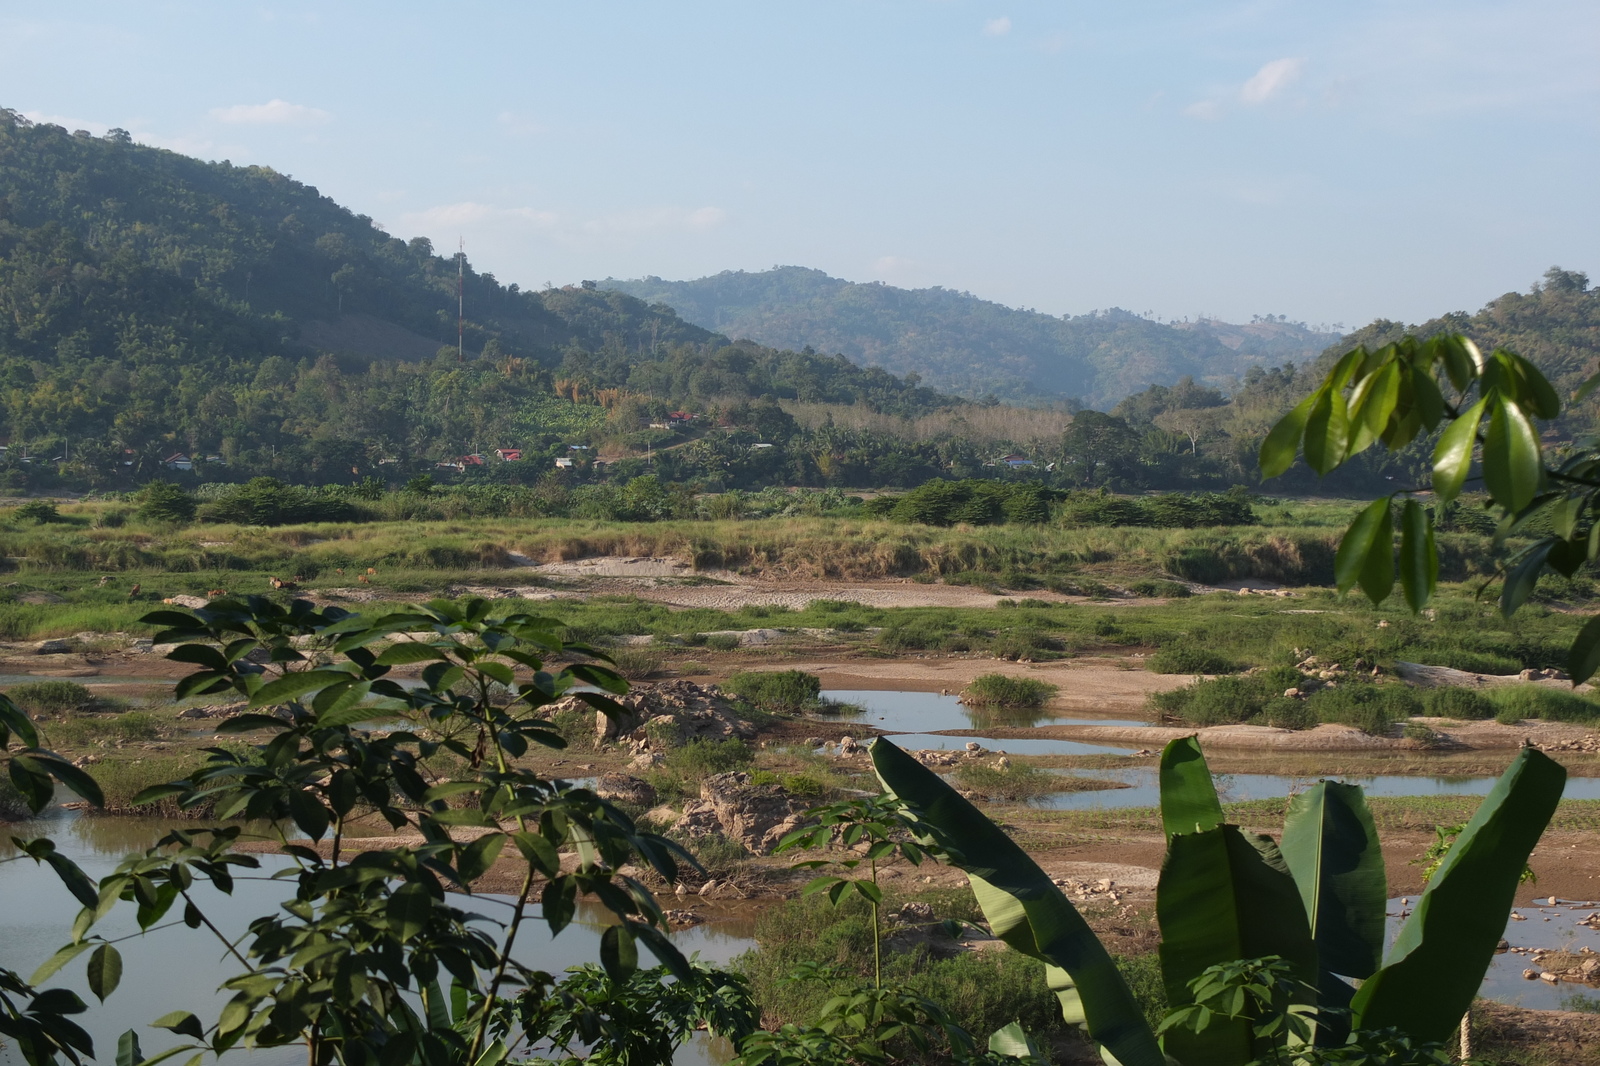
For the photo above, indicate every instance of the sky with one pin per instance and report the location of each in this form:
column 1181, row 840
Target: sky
column 1332, row 162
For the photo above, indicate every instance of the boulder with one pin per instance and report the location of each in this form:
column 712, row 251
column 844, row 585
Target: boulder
column 53, row 647
column 695, row 711
column 622, row 788
column 757, row 816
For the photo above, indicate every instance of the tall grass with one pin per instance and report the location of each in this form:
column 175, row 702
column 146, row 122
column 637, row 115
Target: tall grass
column 999, row 690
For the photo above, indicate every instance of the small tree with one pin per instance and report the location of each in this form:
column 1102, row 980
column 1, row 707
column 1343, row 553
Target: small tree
column 162, row 501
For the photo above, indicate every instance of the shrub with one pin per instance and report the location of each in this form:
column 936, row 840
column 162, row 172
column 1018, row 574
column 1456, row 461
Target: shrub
column 1025, row 644
column 998, row 690
column 1373, row 709
column 1015, row 782
column 912, row 637
column 700, row 758
column 722, row 641
column 1281, row 713
column 1460, row 703
column 162, row 501
column 1167, row 589
column 635, row 664
column 50, row 695
column 265, row 501
column 785, row 691
column 40, row 511
column 1221, row 701
column 1519, row 702
column 1190, row 660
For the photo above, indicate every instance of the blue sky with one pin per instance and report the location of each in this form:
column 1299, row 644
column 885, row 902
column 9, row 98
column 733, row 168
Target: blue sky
column 1331, row 162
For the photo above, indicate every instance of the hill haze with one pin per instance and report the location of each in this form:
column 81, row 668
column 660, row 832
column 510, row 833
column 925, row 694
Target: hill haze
column 960, row 343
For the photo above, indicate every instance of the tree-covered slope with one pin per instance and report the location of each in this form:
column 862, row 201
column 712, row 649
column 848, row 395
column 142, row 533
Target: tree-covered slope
column 153, row 302
column 969, row 346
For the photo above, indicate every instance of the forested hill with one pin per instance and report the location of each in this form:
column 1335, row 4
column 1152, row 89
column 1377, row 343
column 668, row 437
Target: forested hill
column 150, row 301
column 969, row 346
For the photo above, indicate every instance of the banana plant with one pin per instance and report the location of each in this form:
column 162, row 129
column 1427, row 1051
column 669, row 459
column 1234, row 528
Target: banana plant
column 1316, row 902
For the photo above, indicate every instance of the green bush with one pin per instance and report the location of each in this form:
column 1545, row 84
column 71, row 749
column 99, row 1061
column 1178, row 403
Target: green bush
column 1459, row 703
column 50, row 696
column 1190, row 660
column 1519, row 702
column 162, row 501
column 265, row 501
column 1168, row 589
column 998, row 690
column 1282, row 713
column 722, row 641
column 635, row 664
column 1024, row 644
column 700, row 758
column 783, row 691
column 40, row 511
column 1219, row 701
column 1373, row 709
column 1012, row 783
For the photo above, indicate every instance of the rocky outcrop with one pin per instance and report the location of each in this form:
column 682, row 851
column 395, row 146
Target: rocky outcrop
column 681, row 709
column 622, row 788
column 757, row 816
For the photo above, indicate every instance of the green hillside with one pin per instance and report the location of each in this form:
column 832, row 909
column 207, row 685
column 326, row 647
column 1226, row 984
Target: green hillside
column 152, row 303
column 962, row 344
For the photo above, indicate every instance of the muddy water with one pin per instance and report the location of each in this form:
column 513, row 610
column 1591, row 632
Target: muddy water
column 176, row 967
column 931, row 712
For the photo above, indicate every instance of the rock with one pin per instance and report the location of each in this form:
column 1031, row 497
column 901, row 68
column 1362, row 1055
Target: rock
column 682, row 918
column 973, row 745
column 697, row 711
column 915, row 911
column 40, row 599
column 648, row 760
column 815, row 742
column 757, row 816
column 1548, row 976
column 709, row 887
column 53, row 647
column 1530, row 975
column 191, row 602
column 848, row 746
column 621, row 788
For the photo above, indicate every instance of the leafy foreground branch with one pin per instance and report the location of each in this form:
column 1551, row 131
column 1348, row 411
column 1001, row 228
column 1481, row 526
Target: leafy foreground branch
column 374, row 960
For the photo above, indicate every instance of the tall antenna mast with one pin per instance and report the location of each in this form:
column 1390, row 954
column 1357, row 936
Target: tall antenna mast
column 461, row 299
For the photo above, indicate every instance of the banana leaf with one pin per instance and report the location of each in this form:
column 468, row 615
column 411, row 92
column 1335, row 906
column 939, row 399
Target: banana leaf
column 1225, row 895
column 1026, row 910
column 1437, row 964
column 1332, row 849
column 1188, row 799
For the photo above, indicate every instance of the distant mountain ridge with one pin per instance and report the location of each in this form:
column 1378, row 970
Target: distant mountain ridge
column 960, row 343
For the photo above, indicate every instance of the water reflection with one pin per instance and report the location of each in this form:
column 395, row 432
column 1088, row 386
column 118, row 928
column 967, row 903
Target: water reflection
column 1144, row 791
column 181, row 967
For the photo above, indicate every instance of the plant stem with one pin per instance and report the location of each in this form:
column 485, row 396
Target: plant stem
column 877, row 936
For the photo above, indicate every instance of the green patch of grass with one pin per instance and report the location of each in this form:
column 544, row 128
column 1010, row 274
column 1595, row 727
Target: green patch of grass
column 1459, row 703
column 999, row 690
column 1014, row 783
column 636, row 664
column 779, row 691
column 1189, row 660
column 50, row 696
column 1373, row 709
column 1516, row 703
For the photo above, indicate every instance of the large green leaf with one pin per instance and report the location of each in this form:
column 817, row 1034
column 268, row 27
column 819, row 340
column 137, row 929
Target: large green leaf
column 1278, row 450
column 1026, row 910
column 1366, row 552
column 1224, row 896
column 1188, row 798
column 1512, row 461
column 1438, row 961
column 1452, row 456
column 1331, row 847
column 1419, row 556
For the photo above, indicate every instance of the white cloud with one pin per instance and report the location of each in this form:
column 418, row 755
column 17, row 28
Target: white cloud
column 271, row 113
column 1203, row 109
column 469, row 213
column 1271, row 80
column 657, row 219
column 997, row 27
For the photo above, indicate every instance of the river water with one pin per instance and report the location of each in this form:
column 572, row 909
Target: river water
column 176, row 967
